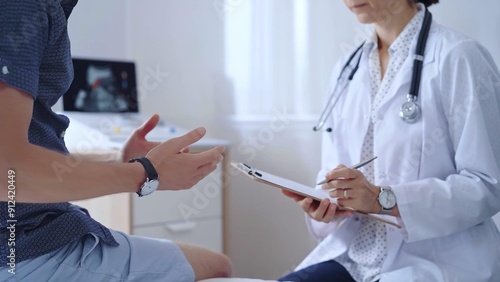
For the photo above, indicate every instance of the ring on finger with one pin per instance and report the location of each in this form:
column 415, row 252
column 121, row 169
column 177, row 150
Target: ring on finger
column 345, row 194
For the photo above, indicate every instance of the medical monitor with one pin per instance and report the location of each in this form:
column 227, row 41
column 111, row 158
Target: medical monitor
column 102, row 86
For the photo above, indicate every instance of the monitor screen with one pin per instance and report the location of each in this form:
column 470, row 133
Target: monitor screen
column 102, row 86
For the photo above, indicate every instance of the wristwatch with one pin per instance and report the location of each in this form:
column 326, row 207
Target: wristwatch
column 152, row 182
column 386, row 199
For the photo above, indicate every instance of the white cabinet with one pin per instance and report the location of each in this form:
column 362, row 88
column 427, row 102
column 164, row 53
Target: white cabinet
column 204, row 232
column 191, row 216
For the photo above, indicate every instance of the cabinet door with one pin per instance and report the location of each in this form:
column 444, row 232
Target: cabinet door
column 201, row 201
column 201, row 232
column 112, row 211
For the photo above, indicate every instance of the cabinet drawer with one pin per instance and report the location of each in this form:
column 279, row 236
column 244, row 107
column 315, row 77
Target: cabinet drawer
column 201, row 232
column 202, row 200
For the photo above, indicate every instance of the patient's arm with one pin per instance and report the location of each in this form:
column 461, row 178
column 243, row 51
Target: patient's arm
column 43, row 175
column 99, row 156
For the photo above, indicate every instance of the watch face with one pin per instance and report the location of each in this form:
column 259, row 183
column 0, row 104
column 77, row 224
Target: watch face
column 387, row 199
column 149, row 187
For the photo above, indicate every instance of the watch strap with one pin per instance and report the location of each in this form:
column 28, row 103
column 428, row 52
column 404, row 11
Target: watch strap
column 386, row 211
column 148, row 166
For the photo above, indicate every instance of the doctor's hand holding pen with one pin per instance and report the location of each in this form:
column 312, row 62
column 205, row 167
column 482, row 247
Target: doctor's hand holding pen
column 350, row 188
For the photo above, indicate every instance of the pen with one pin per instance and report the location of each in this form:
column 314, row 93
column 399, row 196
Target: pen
column 356, row 166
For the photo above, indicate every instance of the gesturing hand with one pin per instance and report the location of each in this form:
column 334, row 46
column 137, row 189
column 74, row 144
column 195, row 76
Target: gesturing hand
column 177, row 168
column 137, row 145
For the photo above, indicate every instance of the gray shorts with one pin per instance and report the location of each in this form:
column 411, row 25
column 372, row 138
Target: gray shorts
column 88, row 259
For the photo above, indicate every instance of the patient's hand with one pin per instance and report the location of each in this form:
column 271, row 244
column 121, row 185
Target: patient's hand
column 177, row 168
column 323, row 211
column 137, row 145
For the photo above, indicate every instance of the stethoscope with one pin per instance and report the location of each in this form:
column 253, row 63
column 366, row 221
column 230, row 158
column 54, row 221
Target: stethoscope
column 410, row 111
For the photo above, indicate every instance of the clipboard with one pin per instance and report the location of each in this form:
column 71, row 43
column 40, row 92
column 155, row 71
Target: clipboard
column 297, row 188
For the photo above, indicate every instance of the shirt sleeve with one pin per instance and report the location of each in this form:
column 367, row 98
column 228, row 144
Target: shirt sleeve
column 23, row 36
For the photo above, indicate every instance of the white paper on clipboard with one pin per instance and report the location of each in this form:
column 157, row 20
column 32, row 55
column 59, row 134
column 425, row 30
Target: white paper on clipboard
column 295, row 187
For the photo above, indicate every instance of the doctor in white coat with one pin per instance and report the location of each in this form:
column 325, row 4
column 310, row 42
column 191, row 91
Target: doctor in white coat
column 437, row 177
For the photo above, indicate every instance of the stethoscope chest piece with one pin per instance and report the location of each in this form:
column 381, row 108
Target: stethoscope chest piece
column 410, row 111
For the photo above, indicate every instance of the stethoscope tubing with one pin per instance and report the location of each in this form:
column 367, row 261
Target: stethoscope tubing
column 331, row 102
column 410, row 111
column 329, row 107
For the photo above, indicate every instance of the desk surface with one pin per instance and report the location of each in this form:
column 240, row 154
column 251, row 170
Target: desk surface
column 109, row 132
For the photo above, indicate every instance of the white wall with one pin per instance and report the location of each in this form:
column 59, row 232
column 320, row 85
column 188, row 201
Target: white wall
column 98, row 29
column 185, row 38
column 476, row 19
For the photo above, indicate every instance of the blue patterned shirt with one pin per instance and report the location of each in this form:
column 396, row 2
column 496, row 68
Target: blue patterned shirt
column 35, row 57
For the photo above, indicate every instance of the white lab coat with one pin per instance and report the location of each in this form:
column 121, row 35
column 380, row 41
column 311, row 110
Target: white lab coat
column 444, row 169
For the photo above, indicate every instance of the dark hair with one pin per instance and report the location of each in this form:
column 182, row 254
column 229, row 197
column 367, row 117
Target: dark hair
column 427, row 3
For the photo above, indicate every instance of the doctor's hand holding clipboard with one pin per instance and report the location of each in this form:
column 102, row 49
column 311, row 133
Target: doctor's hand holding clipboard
column 324, row 211
column 323, row 205
column 348, row 201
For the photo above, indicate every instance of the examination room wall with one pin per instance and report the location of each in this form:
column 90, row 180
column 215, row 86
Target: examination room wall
column 186, row 40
